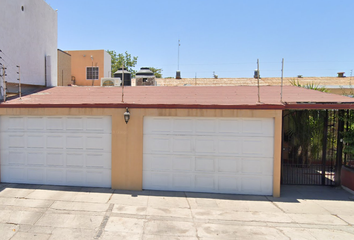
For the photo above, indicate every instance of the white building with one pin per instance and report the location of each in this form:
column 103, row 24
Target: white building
column 28, row 39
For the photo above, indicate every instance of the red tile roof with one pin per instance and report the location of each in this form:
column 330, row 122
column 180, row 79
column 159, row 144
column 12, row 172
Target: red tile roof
column 237, row 97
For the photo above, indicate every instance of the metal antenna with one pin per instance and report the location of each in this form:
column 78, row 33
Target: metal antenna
column 19, row 81
column 123, row 81
column 350, row 82
column 282, row 75
column 179, row 44
column 259, row 96
column 4, row 82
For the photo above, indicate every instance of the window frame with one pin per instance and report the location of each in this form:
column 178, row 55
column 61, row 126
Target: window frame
column 93, row 73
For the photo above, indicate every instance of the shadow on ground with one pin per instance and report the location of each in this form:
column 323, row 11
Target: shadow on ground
column 289, row 193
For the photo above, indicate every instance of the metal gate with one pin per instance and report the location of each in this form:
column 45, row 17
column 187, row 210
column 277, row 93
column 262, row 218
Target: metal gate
column 311, row 147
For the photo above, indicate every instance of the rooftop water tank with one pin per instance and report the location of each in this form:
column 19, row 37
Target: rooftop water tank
column 127, row 76
column 145, row 77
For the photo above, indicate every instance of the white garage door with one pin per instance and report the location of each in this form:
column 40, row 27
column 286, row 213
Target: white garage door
column 219, row 155
column 58, row 150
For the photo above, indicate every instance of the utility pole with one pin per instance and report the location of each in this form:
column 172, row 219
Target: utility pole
column 19, row 81
column 282, row 75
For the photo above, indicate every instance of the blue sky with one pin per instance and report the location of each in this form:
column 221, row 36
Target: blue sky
column 315, row 37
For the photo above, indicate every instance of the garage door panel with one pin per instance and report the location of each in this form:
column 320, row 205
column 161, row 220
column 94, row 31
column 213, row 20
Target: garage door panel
column 157, row 125
column 203, row 164
column 227, row 146
column 12, row 123
column 98, row 178
column 252, row 166
column 98, row 124
column 56, row 150
column 257, row 166
column 182, row 145
column 182, row 163
column 256, row 184
column 205, row 126
column 14, row 141
column 75, row 142
column 55, row 123
column 98, row 142
column 229, row 165
column 55, row 141
column 75, row 160
column 182, row 182
column 36, row 159
column 205, row 182
column 55, row 159
column 18, row 173
column 12, row 158
column 267, row 185
column 98, row 160
column 75, row 124
column 183, row 126
column 257, row 147
column 251, row 184
column 205, row 145
column 157, row 180
column 267, row 167
column 258, row 127
column 252, row 126
column 229, row 184
column 75, row 177
column 35, row 141
column 229, row 126
column 157, row 144
column 36, row 175
column 55, row 176
column 157, row 163
column 36, row 123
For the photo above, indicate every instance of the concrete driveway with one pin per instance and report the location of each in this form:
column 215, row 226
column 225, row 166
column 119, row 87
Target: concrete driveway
column 51, row 212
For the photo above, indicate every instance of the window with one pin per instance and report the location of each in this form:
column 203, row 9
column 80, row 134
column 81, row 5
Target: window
column 91, row 73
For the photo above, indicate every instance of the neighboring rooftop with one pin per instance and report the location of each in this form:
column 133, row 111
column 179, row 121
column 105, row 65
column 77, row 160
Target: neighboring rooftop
column 234, row 97
column 322, row 81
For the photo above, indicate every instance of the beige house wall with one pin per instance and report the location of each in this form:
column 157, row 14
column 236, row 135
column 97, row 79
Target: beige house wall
column 81, row 59
column 127, row 139
column 64, row 69
column 341, row 91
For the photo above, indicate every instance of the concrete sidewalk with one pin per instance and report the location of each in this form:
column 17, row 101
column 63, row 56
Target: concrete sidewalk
column 52, row 212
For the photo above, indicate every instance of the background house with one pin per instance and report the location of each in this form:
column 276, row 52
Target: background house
column 89, row 66
column 29, row 40
column 64, row 68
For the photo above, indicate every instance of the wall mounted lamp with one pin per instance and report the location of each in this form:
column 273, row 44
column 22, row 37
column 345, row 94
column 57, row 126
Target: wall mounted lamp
column 126, row 115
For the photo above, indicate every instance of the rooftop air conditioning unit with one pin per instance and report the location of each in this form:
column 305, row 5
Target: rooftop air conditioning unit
column 111, row 82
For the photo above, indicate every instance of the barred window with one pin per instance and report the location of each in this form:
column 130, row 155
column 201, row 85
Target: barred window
column 91, row 73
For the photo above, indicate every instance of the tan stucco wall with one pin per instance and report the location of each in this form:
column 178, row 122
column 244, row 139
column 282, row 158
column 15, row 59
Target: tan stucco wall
column 64, row 69
column 341, row 91
column 81, row 59
column 127, row 139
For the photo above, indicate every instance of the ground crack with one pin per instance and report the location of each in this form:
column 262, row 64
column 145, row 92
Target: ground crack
column 104, row 221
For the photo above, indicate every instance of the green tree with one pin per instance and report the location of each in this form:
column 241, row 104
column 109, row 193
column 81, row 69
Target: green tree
column 117, row 60
column 157, row 72
column 306, row 128
column 311, row 85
